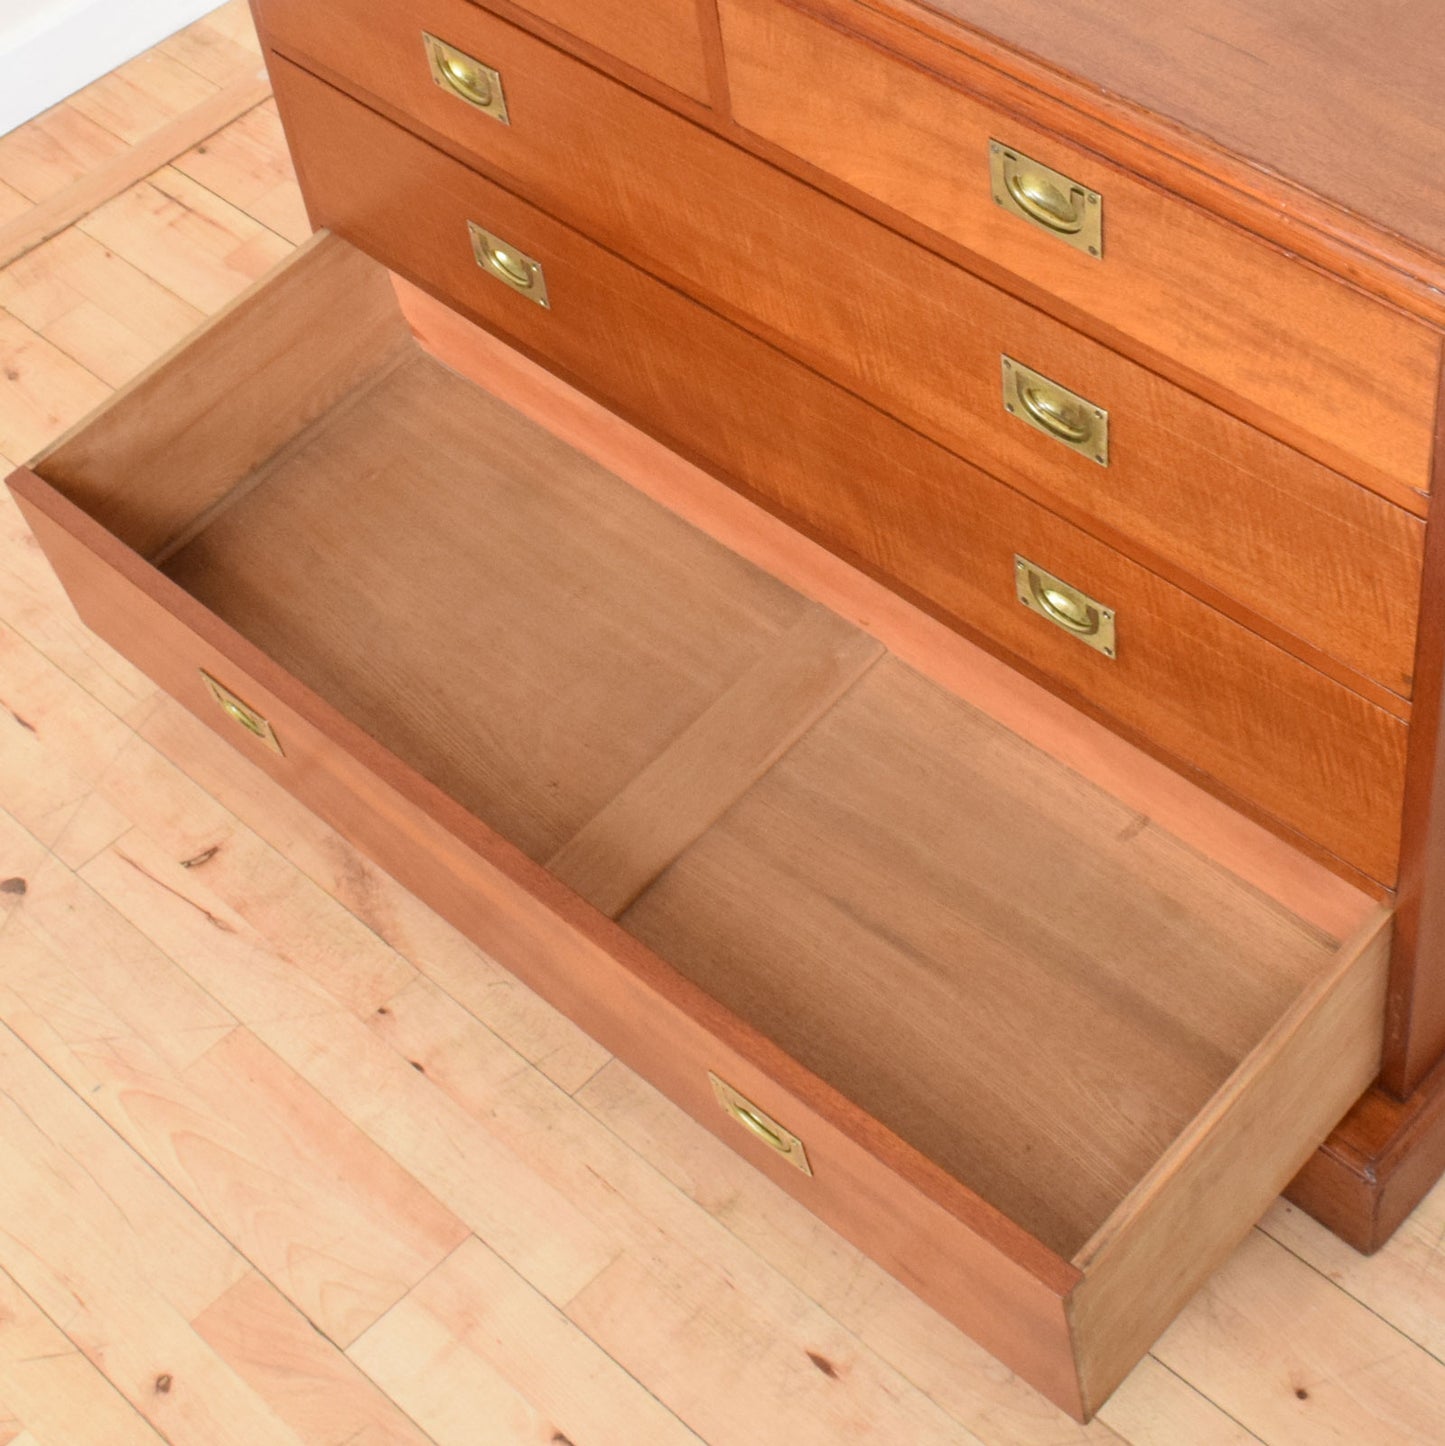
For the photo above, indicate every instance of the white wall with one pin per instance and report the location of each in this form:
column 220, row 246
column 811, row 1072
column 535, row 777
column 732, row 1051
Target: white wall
column 51, row 48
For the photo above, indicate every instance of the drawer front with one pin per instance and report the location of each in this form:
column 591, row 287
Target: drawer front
column 1209, row 501
column 1269, row 730
column 1345, row 378
column 662, row 39
column 948, row 1246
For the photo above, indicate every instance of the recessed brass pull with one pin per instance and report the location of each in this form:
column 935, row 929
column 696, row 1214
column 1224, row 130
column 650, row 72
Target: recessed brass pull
column 1046, row 203
column 241, row 712
column 1047, row 198
column 760, row 1125
column 1056, row 411
column 1065, row 606
column 467, row 78
column 1055, row 415
column 514, row 268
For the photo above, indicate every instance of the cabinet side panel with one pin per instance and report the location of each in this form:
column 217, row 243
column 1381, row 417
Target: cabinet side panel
column 1415, row 1025
column 176, row 440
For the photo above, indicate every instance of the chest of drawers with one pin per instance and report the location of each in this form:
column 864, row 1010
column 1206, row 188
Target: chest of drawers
column 879, row 571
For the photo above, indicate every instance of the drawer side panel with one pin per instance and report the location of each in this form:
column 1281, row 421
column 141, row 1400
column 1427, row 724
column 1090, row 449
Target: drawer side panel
column 1184, row 1219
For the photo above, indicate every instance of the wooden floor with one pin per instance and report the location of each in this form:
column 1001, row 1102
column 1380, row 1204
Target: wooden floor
column 284, row 1159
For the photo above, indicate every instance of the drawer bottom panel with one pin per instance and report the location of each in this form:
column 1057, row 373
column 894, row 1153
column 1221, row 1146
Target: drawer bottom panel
column 718, row 826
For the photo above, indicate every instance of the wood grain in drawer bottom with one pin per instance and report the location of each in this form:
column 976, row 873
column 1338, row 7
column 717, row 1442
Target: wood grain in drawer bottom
column 867, row 818
column 1270, row 731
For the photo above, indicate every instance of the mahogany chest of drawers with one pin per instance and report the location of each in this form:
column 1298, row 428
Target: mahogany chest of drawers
column 879, row 556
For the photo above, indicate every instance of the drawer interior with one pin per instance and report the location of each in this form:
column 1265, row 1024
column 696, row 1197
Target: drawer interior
column 515, row 623
column 1029, row 981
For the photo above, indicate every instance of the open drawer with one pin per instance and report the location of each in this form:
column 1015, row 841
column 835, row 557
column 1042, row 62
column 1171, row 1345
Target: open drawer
column 1041, row 1056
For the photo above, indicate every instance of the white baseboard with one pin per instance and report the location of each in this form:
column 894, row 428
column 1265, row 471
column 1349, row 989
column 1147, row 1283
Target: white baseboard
column 51, row 48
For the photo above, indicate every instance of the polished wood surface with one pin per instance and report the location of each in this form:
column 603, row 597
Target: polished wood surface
column 1382, row 1159
column 1281, row 85
column 1004, row 1287
column 1007, row 1285
column 664, row 40
column 925, row 644
column 1270, row 729
column 1217, row 506
column 724, row 1284
column 416, row 562
column 1214, row 299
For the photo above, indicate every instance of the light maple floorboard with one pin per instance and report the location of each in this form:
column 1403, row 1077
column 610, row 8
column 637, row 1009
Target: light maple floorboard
column 285, row 1159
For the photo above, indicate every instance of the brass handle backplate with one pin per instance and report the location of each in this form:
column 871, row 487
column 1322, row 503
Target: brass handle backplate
column 760, row 1125
column 1065, row 606
column 239, row 711
column 467, row 78
column 512, row 267
column 1056, row 411
column 1047, row 198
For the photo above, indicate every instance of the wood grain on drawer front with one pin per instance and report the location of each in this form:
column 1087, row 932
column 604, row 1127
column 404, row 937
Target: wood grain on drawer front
column 1344, row 378
column 1209, row 501
column 1276, row 734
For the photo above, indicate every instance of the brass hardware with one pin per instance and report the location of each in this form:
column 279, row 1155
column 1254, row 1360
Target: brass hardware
column 511, row 267
column 467, row 78
column 761, row 1126
column 1065, row 606
column 1056, row 411
column 1046, row 198
column 242, row 713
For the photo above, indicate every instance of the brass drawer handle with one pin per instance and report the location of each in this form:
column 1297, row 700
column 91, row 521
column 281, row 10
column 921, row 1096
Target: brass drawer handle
column 239, row 711
column 765, row 1133
column 467, row 78
column 1055, row 415
column 509, row 265
column 1065, row 606
column 1056, row 411
column 761, row 1126
column 1046, row 198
